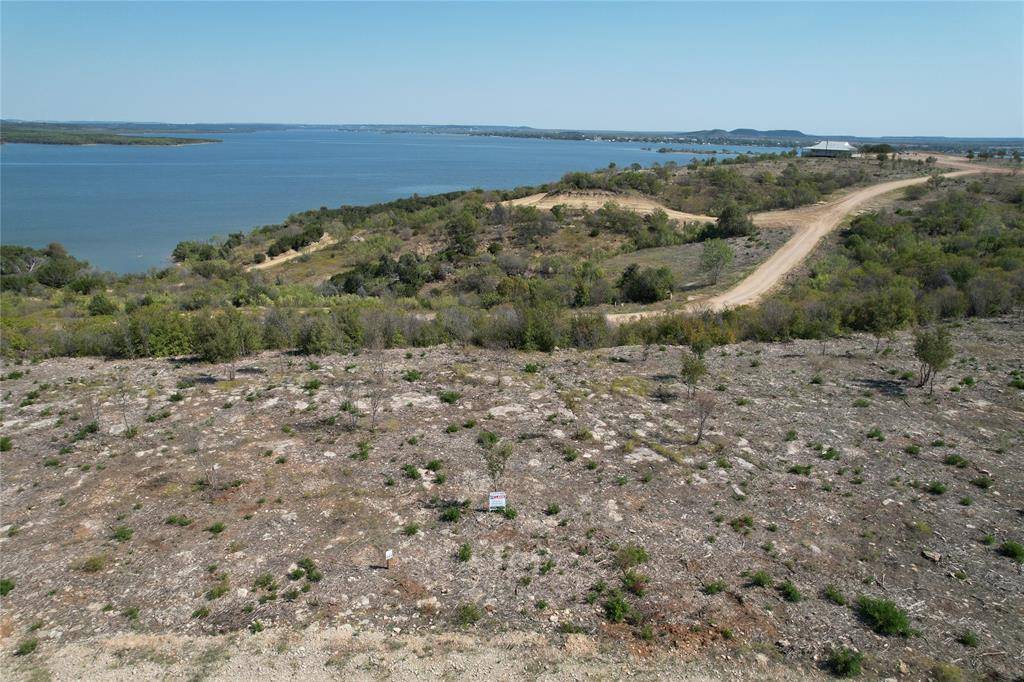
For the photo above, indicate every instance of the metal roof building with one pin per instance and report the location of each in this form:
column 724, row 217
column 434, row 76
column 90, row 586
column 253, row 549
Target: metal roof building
column 832, row 148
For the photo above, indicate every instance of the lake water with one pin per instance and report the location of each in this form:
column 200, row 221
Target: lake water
column 124, row 208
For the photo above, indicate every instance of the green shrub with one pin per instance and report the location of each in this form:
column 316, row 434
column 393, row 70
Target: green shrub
column 714, row 587
column 760, row 579
column 465, row 552
column 468, row 614
column 956, row 461
column 1012, row 550
column 552, row 509
column 6, row 443
column 616, row 608
column 968, row 638
column 487, row 439
column 635, row 583
column 6, row 585
column 631, row 555
column 451, row 514
column 27, row 646
column 843, row 662
column 936, row 488
column 122, row 533
column 790, row 592
column 216, row 528
column 832, row 594
column 883, row 616
column 411, row 529
column 449, row 396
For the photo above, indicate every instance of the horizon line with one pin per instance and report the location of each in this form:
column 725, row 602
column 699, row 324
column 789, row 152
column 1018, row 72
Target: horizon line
column 505, row 126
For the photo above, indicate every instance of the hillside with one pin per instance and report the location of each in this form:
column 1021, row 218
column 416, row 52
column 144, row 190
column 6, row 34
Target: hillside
column 171, row 516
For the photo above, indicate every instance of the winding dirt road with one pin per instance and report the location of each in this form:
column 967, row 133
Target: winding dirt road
column 811, row 223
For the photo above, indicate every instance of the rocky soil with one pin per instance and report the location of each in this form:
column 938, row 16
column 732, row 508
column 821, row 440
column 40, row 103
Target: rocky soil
column 240, row 530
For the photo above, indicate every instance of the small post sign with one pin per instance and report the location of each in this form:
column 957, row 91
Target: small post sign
column 495, row 501
column 388, row 556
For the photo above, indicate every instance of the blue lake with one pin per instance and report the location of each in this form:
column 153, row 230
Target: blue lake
column 124, row 208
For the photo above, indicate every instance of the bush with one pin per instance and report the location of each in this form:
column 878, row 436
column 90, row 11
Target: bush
column 468, row 614
column 760, row 579
column 101, row 305
column 122, row 534
column 449, row 396
column 465, row 552
column 451, row 514
column 634, row 582
column 883, row 616
column 1012, row 550
column 6, row 585
column 27, row 646
column 968, row 638
column 843, row 662
column 616, row 608
column 714, row 587
column 648, row 285
column 630, row 556
column 832, row 594
column 790, row 592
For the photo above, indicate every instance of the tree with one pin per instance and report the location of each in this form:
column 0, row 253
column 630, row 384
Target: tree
column 317, row 336
column 704, row 405
column 733, row 222
column 225, row 337
column 886, row 310
column 462, row 231
column 692, row 369
column 646, row 286
column 934, row 350
column 58, row 271
column 101, row 305
column 819, row 322
column 715, row 257
column 496, row 456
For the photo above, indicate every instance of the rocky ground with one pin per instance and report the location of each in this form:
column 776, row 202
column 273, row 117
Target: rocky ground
column 240, row 531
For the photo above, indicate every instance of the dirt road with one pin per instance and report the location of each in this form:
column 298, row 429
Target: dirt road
column 324, row 242
column 594, row 200
column 811, row 223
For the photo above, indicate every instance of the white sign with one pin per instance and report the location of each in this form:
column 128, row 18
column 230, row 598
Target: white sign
column 388, row 554
column 495, row 501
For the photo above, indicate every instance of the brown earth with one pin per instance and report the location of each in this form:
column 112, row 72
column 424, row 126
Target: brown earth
column 817, row 468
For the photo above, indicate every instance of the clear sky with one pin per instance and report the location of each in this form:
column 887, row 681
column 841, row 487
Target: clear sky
column 866, row 68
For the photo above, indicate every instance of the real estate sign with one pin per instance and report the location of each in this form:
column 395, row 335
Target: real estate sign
column 495, row 501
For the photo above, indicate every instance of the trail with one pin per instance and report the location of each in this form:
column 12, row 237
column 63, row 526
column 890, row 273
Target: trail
column 324, row 242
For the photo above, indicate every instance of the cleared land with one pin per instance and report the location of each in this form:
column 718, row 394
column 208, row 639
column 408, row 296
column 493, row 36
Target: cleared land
column 181, row 551
column 594, row 200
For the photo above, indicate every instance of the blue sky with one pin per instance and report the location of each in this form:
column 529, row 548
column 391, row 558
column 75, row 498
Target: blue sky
column 864, row 68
